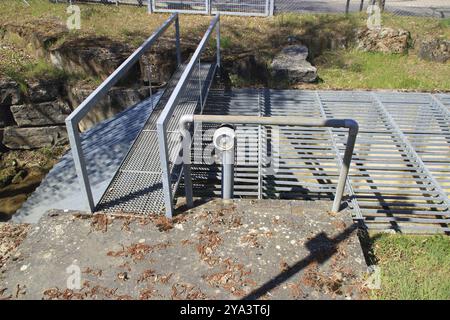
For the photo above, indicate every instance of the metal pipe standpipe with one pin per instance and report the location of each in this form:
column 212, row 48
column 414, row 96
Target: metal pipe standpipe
column 350, row 124
column 224, row 140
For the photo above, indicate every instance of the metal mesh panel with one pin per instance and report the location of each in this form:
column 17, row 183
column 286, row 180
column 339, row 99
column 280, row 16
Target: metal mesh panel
column 241, row 7
column 194, row 6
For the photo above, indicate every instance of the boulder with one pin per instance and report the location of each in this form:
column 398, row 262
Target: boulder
column 43, row 90
column 291, row 65
column 9, row 92
column 33, row 138
column 40, row 114
column 6, row 118
column 435, row 50
column 385, row 40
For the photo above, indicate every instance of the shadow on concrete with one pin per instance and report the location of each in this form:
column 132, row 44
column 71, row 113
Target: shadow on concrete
column 321, row 249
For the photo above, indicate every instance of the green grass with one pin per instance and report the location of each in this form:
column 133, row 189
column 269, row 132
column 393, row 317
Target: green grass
column 262, row 37
column 348, row 69
column 412, row 267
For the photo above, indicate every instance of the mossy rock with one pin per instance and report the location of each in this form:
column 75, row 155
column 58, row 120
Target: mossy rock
column 18, row 178
column 6, row 176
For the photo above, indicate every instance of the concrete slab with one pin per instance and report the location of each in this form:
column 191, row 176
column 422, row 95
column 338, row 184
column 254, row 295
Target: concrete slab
column 267, row 249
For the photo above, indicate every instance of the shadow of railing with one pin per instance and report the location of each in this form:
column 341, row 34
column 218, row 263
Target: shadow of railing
column 321, row 248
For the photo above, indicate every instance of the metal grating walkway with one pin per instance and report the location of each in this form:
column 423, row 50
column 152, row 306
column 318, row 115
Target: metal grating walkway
column 137, row 186
column 400, row 175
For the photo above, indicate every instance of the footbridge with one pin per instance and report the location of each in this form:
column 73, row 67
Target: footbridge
column 399, row 178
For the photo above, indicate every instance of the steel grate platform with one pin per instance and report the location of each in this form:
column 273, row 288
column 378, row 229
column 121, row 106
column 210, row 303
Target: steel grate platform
column 400, row 175
column 137, row 186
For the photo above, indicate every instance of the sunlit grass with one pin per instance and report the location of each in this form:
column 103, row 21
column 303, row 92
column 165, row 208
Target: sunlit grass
column 413, row 267
column 347, row 69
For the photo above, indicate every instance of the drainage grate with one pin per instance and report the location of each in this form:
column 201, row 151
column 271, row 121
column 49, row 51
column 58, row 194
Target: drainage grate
column 399, row 177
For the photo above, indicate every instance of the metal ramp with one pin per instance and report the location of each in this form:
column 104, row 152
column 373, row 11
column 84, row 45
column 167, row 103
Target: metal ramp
column 137, row 185
column 399, row 178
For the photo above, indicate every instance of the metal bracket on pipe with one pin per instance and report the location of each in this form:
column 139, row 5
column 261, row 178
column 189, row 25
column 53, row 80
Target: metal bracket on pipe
column 350, row 124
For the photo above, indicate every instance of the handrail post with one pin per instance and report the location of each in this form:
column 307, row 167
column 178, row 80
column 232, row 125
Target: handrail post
column 208, row 6
column 164, row 158
column 218, row 42
column 80, row 165
column 271, row 7
column 177, row 39
column 149, row 6
column 351, row 140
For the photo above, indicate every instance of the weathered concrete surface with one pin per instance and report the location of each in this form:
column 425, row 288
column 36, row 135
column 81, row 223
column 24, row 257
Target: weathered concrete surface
column 247, row 249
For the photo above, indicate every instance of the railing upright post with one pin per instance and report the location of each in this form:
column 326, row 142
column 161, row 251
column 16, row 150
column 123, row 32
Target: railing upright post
column 218, row 42
column 271, row 7
column 149, row 6
column 164, row 157
column 177, row 39
column 80, row 165
column 208, row 6
column 351, row 140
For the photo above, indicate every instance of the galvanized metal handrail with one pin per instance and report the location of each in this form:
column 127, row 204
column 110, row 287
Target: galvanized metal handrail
column 172, row 103
column 350, row 124
column 79, row 113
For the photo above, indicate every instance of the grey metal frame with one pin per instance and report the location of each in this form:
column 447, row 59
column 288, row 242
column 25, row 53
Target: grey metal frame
column 170, row 108
column 79, row 113
column 350, row 124
column 209, row 9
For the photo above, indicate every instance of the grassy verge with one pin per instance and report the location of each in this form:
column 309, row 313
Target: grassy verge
column 412, row 267
column 349, row 69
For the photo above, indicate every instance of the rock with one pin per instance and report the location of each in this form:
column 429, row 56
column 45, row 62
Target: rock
column 6, row 176
column 40, row 114
column 6, row 117
column 435, row 50
column 117, row 100
column 385, row 40
column 43, row 90
column 33, row 138
column 9, row 92
column 291, row 64
column 19, row 176
column 96, row 56
column 249, row 68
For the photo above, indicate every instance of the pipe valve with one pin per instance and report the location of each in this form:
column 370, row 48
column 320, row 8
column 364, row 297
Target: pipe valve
column 224, row 138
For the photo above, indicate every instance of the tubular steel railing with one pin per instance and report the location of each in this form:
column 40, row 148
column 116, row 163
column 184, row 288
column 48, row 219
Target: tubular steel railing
column 173, row 102
column 79, row 113
column 349, row 124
